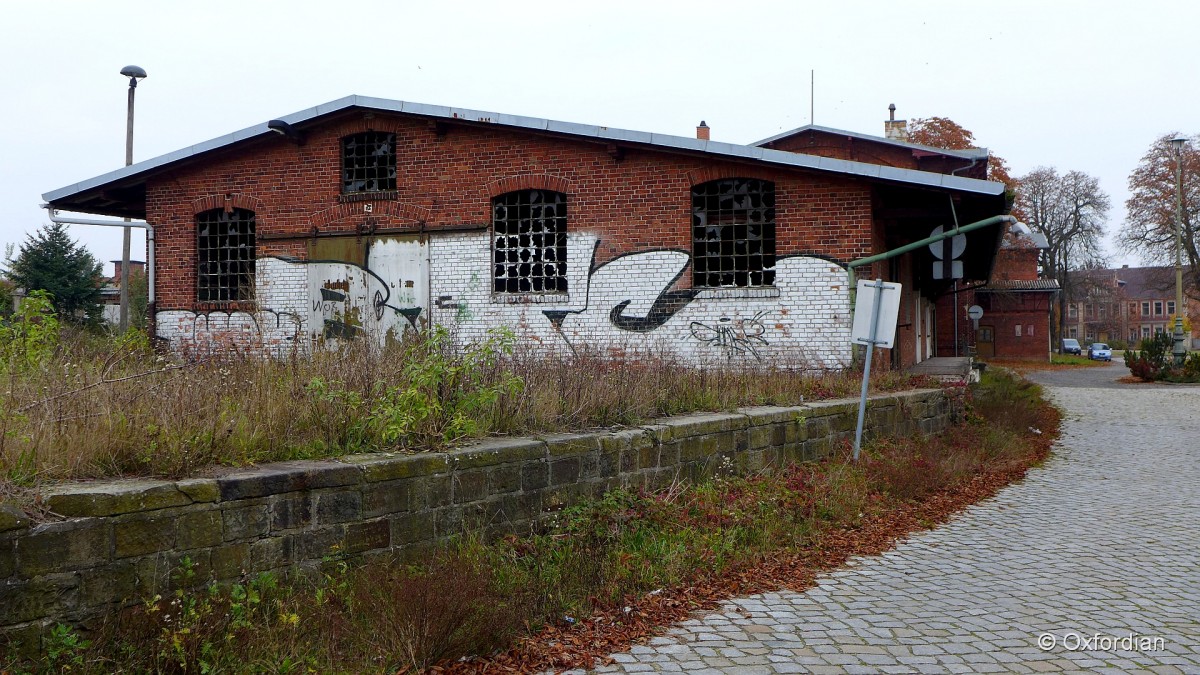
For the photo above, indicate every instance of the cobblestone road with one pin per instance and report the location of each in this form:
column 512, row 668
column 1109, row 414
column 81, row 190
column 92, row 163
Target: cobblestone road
column 1101, row 543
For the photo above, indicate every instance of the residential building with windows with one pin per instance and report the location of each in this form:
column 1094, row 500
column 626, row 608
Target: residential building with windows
column 1124, row 305
column 372, row 217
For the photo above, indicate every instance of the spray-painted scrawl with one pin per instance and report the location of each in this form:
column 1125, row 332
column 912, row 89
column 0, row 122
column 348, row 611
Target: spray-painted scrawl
column 307, row 302
column 627, row 304
column 630, row 303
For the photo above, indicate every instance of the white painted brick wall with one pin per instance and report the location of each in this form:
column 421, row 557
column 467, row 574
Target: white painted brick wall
column 802, row 322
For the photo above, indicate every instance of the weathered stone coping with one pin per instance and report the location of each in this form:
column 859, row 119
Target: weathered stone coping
column 118, row 541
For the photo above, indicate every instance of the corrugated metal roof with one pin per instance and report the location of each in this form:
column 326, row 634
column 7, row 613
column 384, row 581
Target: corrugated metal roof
column 970, row 153
column 680, row 143
column 1022, row 285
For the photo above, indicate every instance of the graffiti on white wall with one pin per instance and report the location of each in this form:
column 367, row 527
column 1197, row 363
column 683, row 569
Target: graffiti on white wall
column 626, row 305
column 383, row 297
column 300, row 303
column 630, row 304
column 735, row 336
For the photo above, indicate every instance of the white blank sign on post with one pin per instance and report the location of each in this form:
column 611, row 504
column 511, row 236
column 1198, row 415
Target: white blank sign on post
column 889, row 311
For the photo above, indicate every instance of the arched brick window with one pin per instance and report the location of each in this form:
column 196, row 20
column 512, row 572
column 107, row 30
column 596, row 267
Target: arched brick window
column 368, row 162
column 529, row 242
column 733, row 233
column 225, row 253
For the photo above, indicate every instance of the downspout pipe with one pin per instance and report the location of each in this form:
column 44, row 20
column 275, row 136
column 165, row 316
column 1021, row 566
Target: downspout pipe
column 887, row 255
column 150, row 306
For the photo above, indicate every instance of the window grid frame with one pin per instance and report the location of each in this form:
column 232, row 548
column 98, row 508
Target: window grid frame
column 234, row 277
column 727, row 252
column 521, row 255
column 361, row 165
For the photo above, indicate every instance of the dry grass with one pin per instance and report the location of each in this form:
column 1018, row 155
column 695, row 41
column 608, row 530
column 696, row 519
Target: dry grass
column 477, row 599
column 98, row 407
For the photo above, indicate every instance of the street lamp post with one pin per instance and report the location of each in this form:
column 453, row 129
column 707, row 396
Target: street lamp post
column 1180, row 349
column 134, row 74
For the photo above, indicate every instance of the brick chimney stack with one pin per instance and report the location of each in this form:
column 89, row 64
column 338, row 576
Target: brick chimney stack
column 893, row 128
column 702, row 131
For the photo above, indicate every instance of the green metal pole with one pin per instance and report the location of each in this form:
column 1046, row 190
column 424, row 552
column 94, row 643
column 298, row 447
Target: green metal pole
column 887, row 255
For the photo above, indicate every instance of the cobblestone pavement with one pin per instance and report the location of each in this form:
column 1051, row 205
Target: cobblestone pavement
column 1101, row 543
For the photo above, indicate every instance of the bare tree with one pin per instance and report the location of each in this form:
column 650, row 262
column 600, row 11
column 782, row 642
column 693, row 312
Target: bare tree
column 1070, row 211
column 1150, row 222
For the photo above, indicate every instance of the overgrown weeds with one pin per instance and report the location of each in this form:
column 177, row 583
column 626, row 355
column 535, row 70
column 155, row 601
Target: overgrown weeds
column 76, row 406
column 472, row 598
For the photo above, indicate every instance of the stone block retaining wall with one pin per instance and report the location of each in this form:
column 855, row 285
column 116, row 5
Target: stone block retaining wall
column 117, row 543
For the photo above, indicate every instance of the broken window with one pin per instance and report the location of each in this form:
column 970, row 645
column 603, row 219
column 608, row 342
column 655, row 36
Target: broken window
column 226, row 255
column 733, row 233
column 369, row 162
column 529, row 242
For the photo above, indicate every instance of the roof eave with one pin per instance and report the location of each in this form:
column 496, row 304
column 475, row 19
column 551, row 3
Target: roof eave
column 970, row 153
column 128, row 174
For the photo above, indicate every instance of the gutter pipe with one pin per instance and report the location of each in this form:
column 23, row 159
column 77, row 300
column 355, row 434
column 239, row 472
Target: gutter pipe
column 150, row 307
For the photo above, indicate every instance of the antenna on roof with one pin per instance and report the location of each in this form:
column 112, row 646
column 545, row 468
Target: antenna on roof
column 812, row 88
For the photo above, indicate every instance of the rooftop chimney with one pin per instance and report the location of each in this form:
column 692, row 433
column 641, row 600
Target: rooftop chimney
column 893, row 128
column 702, row 131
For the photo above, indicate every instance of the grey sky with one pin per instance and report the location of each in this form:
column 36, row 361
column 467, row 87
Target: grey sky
column 1075, row 85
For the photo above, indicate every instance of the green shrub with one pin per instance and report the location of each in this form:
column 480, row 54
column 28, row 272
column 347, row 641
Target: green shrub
column 1152, row 359
column 29, row 337
column 1156, row 361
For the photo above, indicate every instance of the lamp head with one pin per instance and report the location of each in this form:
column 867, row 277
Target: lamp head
column 135, row 72
column 1178, row 142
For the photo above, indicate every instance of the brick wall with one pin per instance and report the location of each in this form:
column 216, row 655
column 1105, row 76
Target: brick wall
column 628, row 212
column 119, row 542
column 1029, row 311
column 1016, row 264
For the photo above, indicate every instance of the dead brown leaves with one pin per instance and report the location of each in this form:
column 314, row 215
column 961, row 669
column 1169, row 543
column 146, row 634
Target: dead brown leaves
column 590, row 642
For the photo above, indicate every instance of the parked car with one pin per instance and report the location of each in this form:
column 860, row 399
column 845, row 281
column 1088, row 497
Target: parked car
column 1071, row 346
column 1100, row 352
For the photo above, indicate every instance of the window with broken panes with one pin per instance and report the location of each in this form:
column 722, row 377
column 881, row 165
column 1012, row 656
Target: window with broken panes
column 733, row 233
column 529, row 242
column 226, row 255
column 369, row 162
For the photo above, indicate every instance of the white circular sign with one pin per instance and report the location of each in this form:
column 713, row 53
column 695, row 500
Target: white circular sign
column 958, row 244
column 975, row 312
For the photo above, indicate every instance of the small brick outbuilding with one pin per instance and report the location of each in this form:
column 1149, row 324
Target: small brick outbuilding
column 1016, row 304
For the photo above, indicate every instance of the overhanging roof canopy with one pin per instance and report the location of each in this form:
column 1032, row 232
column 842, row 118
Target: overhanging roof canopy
column 123, row 192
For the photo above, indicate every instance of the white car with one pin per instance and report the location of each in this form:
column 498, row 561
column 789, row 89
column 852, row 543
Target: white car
column 1100, row 352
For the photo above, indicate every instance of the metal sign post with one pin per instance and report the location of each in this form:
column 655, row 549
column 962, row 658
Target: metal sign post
column 975, row 313
column 880, row 330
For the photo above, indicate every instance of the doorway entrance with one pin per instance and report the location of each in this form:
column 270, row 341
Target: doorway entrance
column 985, row 341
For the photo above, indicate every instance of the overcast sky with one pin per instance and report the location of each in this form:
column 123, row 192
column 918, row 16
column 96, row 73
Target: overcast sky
column 1070, row 84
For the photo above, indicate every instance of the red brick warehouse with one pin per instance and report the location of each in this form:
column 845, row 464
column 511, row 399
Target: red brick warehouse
column 371, row 217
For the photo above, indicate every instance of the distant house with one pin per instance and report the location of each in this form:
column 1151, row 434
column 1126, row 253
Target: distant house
column 110, row 292
column 1124, row 305
column 371, row 217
